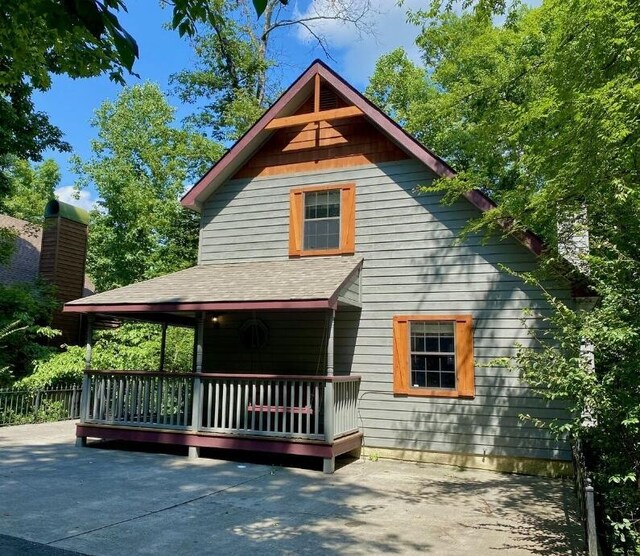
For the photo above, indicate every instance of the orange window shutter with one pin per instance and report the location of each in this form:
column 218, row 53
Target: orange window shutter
column 464, row 356
column 348, row 220
column 296, row 199
column 400, row 356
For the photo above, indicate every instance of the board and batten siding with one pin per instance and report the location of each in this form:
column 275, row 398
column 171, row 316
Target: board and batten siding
column 413, row 264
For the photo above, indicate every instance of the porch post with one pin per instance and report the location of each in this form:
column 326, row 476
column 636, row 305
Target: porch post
column 196, row 412
column 329, row 464
column 86, row 381
column 163, row 345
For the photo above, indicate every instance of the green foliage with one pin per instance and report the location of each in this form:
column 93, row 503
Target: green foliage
column 228, row 81
column 25, row 316
column 133, row 346
column 79, row 38
column 542, row 113
column 31, row 187
column 139, row 168
column 233, row 79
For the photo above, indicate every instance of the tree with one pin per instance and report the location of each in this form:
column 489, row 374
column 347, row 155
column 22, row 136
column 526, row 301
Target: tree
column 132, row 346
column 78, row 38
column 139, row 168
column 39, row 38
column 25, row 317
column 232, row 83
column 30, row 188
column 542, row 113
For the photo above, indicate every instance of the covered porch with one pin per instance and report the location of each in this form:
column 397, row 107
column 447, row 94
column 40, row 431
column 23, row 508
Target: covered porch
column 264, row 375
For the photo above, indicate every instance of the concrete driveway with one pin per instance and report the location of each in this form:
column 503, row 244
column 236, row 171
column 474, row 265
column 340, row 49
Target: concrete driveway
column 105, row 501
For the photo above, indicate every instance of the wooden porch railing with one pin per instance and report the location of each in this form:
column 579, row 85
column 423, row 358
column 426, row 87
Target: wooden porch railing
column 281, row 406
column 139, row 398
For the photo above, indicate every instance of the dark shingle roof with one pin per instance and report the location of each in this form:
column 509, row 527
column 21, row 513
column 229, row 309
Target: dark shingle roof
column 317, row 278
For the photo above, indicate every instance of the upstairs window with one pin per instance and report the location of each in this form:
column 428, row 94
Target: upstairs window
column 321, row 228
column 433, row 356
column 322, row 220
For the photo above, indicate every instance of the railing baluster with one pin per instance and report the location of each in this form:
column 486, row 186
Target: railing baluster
column 223, row 410
column 108, row 398
column 253, row 402
column 285, row 406
column 292, row 419
column 238, row 402
column 300, row 405
column 307, row 405
column 231, row 407
column 179, row 413
column 276, row 426
column 245, row 405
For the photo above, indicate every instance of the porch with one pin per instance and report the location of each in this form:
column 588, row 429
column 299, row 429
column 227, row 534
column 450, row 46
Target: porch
column 297, row 415
column 265, row 375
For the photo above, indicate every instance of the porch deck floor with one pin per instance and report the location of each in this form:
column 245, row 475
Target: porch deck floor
column 101, row 501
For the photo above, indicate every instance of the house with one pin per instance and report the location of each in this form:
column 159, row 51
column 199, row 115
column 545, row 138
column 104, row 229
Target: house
column 333, row 306
column 55, row 252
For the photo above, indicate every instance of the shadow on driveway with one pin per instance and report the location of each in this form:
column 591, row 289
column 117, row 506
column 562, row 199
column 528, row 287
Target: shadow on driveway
column 107, row 501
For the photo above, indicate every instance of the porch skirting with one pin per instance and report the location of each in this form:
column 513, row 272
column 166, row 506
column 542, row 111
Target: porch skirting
column 227, row 442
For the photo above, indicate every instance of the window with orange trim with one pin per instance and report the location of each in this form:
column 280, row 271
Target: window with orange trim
column 433, row 356
column 322, row 220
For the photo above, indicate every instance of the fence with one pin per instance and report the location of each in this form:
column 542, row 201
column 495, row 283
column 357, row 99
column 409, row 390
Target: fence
column 586, row 499
column 19, row 406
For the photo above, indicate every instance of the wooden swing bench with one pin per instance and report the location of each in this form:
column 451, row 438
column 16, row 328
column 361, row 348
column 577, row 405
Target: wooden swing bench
column 304, row 410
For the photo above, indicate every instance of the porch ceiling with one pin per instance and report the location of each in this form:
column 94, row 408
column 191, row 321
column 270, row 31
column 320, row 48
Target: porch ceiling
column 311, row 283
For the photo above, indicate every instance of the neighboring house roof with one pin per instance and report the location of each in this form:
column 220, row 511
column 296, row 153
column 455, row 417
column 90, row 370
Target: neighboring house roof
column 291, row 284
column 289, row 102
column 25, row 260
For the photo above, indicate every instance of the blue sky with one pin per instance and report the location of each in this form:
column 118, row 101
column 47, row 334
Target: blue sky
column 71, row 103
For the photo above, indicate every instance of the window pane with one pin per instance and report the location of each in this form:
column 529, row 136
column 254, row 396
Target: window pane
column 448, row 380
column 431, row 343
column 322, row 211
column 322, row 220
column 447, row 363
column 433, row 361
column 433, row 380
column 417, row 342
column 418, row 362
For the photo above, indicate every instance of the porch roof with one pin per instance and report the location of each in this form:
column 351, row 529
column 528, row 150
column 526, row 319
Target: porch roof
column 312, row 283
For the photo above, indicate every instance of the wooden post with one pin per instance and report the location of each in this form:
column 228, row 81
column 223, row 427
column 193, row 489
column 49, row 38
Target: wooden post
column 329, row 464
column 196, row 413
column 163, row 345
column 86, row 381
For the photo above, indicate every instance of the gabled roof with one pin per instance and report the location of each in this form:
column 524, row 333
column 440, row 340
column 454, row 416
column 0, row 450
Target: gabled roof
column 289, row 102
column 312, row 283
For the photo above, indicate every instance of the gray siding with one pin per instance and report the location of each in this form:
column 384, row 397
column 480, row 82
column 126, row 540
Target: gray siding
column 350, row 294
column 413, row 264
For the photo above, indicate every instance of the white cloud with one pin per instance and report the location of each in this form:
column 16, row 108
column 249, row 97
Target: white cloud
column 386, row 30
column 82, row 199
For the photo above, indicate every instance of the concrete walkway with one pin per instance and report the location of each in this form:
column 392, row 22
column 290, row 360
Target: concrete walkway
column 105, row 501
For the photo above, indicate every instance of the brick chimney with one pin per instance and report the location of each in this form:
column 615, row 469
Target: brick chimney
column 62, row 260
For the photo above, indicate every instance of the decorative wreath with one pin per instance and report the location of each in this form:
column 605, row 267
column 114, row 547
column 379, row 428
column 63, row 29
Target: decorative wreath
column 254, row 334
